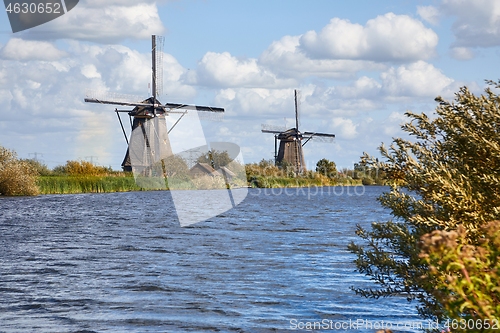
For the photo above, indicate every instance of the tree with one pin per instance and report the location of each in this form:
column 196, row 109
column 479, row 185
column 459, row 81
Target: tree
column 17, row 177
column 41, row 168
column 176, row 166
column 327, row 168
column 215, row 158
column 448, row 176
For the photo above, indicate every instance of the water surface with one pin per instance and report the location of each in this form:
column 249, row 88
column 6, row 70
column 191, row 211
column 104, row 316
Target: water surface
column 120, row 262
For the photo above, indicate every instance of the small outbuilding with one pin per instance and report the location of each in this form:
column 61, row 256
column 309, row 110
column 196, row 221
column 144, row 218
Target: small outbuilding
column 202, row 169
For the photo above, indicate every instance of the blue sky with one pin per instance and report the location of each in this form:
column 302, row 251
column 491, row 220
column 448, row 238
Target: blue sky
column 358, row 64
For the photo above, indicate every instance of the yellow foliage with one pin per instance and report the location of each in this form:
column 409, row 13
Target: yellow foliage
column 16, row 177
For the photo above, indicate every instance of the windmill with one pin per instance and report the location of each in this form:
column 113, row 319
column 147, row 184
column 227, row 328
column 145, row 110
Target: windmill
column 149, row 142
column 291, row 142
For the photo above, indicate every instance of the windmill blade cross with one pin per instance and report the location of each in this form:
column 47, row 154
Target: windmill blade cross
column 320, row 137
column 320, row 134
column 173, row 106
column 157, row 63
column 102, row 101
column 113, row 98
column 297, row 103
column 274, row 132
column 272, row 129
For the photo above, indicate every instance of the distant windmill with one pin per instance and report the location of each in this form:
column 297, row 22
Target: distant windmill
column 290, row 147
column 151, row 143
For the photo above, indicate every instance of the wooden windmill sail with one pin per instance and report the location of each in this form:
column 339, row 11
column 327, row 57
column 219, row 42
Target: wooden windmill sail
column 149, row 142
column 291, row 142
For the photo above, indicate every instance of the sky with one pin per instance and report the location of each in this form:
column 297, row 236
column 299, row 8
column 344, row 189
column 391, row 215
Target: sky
column 359, row 66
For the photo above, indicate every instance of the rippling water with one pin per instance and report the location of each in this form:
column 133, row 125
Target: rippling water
column 120, row 262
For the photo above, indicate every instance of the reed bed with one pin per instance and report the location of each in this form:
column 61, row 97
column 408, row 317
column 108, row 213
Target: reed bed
column 86, row 184
column 276, row 182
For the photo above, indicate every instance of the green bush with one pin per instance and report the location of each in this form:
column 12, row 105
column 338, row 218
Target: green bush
column 367, row 181
column 449, row 174
column 40, row 168
column 327, row 168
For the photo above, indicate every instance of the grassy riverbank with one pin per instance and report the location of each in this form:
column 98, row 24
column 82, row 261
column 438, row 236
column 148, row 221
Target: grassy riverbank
column 108, row 184
column 277, row 182
column 30, row 177
column 86, row 184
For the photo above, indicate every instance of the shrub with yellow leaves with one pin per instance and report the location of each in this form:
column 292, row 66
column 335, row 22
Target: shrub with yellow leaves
column 447, row 175
column 464, row 277
column 17, row 177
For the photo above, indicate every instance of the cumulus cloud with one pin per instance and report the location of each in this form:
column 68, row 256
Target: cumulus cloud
column 364, row 87
column 429, row 14
column 42, row 100
column 342, row 49
column 103, row 22
column 419, row 79
column 90, row 72
column 462, row 53
column 121, row 69
column 392, row 125
column 288, row 59
column 225, row 70
column 344, row 127
column 25, row 50
column 257, row 101
column 477, row 22
column 387, row 37
column 339, row 51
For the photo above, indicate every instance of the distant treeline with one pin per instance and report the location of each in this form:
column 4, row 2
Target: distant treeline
column 266, row 174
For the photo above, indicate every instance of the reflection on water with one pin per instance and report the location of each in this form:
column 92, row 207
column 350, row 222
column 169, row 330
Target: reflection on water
column 120, row 262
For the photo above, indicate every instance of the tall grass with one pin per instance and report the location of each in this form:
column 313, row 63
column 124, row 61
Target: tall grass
column 86, row 184
column 275, row 182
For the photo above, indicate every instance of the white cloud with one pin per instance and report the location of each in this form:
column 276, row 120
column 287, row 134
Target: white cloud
column 95, row 137
column 46, row 98
column 429, row 13
column 103, row 22
column 344, row 128
column 90, row 72
column 339, row 39
column 462, row 53
column 287, row 59
column 341, row 48
column 339, row 51
column 392, row 125
column 419, row 79
column 477, row 23
column 225, row 70
column 25, row 50
column 388, row 37
column 266, row 103
column 364, row 87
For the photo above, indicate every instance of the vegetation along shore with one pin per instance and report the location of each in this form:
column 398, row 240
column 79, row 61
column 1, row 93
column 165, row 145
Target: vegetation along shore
column 31, row 177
